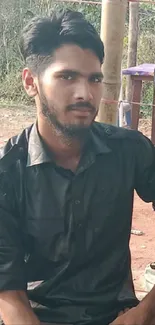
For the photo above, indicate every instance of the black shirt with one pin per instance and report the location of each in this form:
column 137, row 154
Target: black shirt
column 71, row 230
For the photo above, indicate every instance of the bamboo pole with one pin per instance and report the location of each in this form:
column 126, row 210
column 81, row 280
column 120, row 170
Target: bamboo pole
column 112, row 34
column 132, row 44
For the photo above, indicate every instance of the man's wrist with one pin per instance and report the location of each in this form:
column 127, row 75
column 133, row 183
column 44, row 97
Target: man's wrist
column 148, row 304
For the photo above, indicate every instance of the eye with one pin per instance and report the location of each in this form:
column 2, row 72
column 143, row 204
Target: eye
column 66, row 77
column 96, row 79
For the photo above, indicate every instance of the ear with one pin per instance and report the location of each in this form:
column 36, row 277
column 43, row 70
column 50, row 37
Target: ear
column 29, row 82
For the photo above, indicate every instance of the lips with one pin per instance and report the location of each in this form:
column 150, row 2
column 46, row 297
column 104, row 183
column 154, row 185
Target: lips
column 82, row 109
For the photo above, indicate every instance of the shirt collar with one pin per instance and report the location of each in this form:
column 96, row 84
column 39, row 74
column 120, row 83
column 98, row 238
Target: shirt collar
column 38, row 154
column 99, row 139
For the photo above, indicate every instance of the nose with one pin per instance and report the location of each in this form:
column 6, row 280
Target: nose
column 83, row 91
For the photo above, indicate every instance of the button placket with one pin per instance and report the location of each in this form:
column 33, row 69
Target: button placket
column 78, row 215
column 77, row 202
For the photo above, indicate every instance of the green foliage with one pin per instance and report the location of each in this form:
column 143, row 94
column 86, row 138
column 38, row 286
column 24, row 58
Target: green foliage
column 147, row 18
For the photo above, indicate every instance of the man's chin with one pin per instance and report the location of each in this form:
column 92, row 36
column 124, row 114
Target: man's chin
column 76, row 130
column 72, row 129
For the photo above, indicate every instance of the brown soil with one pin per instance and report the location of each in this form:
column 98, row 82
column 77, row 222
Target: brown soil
column 14, row 119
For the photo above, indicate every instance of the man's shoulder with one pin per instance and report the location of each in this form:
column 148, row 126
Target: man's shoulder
column 115, row 133
column 15, row 149
column 130, row 141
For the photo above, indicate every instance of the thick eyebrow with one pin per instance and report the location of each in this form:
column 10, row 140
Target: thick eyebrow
column 77, row 73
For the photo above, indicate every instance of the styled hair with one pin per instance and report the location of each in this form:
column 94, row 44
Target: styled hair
column 42, row 36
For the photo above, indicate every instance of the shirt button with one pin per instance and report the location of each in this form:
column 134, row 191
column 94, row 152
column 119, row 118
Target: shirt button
column 77, row 202
column 79, row 225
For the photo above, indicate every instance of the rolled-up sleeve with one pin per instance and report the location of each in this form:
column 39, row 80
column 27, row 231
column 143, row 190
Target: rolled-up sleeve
column 145, row 168
column 11, row 248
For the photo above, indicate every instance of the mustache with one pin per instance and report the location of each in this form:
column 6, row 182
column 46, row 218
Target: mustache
column 81, row 105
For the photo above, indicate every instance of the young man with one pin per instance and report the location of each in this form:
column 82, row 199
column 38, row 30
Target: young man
column 66, row 190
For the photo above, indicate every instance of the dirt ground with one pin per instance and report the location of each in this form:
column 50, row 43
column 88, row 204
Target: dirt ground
column 14, row 119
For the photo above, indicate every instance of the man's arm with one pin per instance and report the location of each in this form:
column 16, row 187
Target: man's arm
column 144, row 152
column 143, row 314
column 15, row 309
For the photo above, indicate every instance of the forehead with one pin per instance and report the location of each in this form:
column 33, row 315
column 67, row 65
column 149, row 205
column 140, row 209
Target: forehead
column 72, row 57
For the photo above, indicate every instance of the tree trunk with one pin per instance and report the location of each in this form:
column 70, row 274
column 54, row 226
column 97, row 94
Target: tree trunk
column 132, row 44
column 112, row 34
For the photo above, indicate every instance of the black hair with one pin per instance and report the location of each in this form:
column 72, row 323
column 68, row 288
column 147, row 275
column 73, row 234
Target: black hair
column 42, row 36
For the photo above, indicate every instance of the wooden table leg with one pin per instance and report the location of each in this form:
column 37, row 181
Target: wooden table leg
column 153, row 119
column 137, row 88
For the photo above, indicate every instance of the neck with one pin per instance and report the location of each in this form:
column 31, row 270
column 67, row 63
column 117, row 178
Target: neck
column 61, row 147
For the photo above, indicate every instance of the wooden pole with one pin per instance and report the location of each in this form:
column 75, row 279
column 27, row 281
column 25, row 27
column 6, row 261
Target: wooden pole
column 132, row 44
column 153, row 113
column 112, row 34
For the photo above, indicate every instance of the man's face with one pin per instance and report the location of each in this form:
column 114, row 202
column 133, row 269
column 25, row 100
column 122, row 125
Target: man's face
column 70, row 89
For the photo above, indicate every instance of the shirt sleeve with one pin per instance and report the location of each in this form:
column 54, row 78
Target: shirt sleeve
column 145, row 168
column 11, row 248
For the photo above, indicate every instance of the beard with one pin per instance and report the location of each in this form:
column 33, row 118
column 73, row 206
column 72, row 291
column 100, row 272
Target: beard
column 67, row 131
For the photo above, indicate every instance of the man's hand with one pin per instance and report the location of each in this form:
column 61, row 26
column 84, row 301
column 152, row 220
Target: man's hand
column 143, row 314
column 15, row 309
column 139, row 315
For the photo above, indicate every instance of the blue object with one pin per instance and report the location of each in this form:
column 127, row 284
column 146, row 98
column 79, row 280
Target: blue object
column 128, row 117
